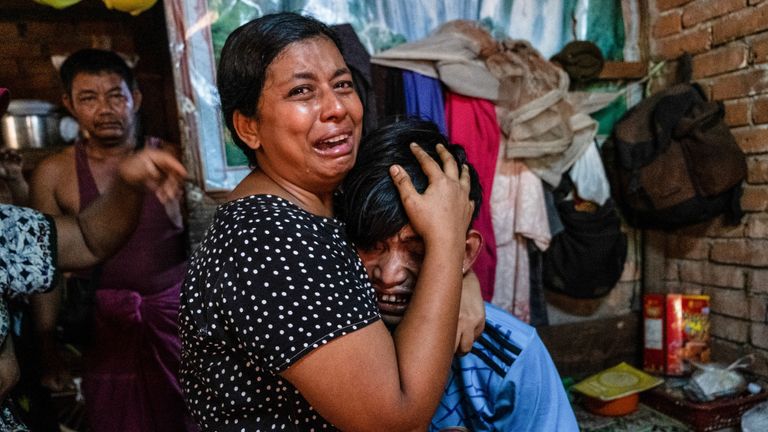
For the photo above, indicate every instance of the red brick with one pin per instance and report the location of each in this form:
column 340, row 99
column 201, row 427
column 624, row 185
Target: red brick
column 737, row 112
column 757, row 279
column 712, row 228
column 752, row 139
column 757, row 226
column 668, row 24
column 758, row 309
column 703, row 10
column 740, row 84
column 740, row 252
column 663, row 5
column 20, row 49
column 760, row 49
column 721, row 60
column 728, row 302
column 672, row 270
column 731, row 329
column 754, row 198
column 8, row 31
column 8, row 66
column 760, row 110
column 35, row 66
column 727, row 352
column 759, row 335
column 707, row 273
column 686, row 247
column 757, row 170
column 693, row 41
column 745, row 22
column 47, row 30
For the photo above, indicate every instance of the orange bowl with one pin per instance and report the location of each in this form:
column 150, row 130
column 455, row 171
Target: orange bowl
column 613, row 408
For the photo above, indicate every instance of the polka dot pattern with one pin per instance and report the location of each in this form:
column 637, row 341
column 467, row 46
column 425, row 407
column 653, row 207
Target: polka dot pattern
column 269, row 284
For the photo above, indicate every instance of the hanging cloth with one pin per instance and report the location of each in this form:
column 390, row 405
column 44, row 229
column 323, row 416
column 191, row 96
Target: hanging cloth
column 424, row 98
column 359, row 62
column 454, row 54
column 472, row 124
column 518, row 214
column 537, row 120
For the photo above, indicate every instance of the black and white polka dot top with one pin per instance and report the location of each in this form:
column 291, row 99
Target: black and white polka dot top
column 269, row 283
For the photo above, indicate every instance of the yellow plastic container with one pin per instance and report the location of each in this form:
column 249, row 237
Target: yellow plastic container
column 133, row 7
column 58, row 4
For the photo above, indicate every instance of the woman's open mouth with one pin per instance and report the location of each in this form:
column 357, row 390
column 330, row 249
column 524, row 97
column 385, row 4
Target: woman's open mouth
column 340, row 144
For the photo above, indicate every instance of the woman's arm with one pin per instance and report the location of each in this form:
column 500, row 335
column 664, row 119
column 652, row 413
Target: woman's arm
column 371, row 380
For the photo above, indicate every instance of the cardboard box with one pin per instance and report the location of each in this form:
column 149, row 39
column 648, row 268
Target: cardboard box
column 676, row 331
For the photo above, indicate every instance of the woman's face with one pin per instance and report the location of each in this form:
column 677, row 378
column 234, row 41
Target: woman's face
column 309, row 116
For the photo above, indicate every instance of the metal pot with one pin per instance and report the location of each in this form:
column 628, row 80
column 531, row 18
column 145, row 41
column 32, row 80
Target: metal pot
column 30, row 124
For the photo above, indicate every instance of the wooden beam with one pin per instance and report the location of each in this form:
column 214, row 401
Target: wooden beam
column 617, row 70
column 584, row 348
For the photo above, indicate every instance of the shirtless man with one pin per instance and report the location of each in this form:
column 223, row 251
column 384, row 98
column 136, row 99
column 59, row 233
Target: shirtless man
column 137, row 290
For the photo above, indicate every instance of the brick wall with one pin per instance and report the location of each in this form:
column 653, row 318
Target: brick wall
column 31, row 33
column 729, row 43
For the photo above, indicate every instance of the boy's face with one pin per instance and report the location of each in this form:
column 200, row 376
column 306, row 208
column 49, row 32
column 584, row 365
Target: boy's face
column 393, row 267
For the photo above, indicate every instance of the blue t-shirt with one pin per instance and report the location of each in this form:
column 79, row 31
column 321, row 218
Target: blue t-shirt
column 508, row 382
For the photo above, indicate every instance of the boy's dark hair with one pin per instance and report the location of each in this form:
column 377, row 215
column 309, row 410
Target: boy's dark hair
column 370, row 204
column 246, row 55
column 94, row 61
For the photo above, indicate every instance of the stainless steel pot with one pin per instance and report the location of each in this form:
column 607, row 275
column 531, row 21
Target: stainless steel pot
column 30, row 124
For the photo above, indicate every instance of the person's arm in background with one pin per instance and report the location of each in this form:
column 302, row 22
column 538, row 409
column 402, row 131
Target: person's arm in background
column 11, row 174
column 95, row 234
column 100, row 230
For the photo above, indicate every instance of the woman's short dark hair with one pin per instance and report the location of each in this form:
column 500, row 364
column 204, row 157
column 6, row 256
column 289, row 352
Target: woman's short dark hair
column 94, row 61
column 246, row 55
column 369, row 203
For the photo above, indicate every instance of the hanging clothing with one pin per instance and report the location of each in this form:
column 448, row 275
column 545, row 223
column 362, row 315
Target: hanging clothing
column 518, row 214
column 130, row 378
column 359, row 62
column 454, row 54
column 424, row 98
column 538, row 122
column 472, row 124
column 390, row 103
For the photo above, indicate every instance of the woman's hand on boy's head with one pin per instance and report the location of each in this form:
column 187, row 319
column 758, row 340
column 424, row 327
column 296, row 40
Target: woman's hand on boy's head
column 443, row 211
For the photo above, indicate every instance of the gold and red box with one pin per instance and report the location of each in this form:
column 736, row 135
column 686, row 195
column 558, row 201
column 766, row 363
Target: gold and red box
column 676, row 331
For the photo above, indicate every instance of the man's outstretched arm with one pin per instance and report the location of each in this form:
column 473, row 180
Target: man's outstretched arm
column 101, row 229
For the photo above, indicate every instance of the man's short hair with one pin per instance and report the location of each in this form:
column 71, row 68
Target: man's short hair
column 94, row 61
column 370, row 203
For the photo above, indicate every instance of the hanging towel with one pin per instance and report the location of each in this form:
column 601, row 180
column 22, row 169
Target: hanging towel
column 472, row 124
column 518, row 214
column 454, row 53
